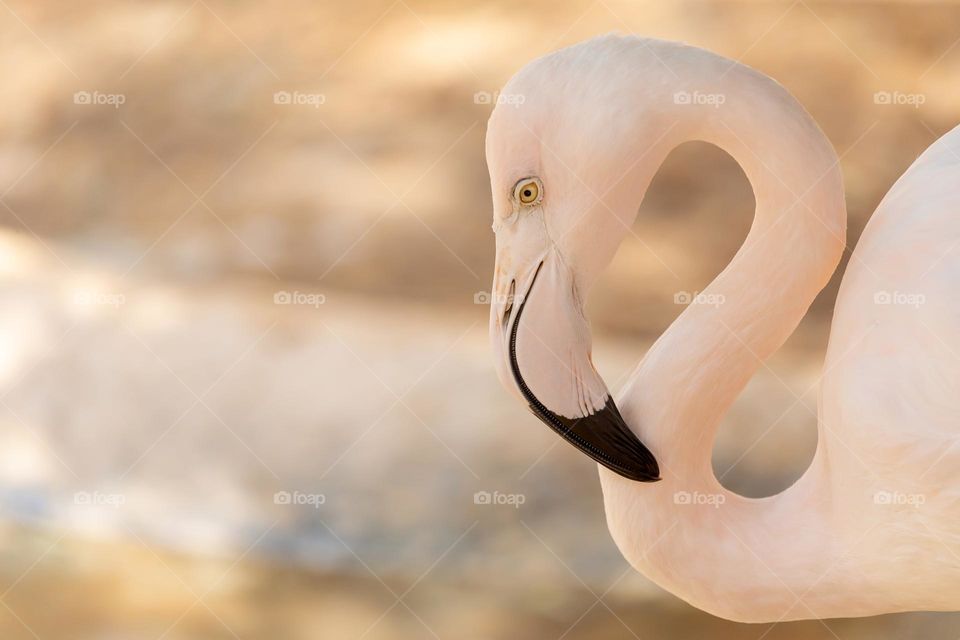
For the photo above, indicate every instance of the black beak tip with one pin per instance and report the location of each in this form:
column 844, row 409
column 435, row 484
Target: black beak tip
column 638, row 464
column 605, row 437
column 646, row 473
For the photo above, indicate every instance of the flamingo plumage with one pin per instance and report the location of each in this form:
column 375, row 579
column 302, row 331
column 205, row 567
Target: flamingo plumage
column 873, row 525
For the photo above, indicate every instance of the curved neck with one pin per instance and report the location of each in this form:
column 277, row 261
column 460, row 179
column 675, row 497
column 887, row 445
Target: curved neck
column 694, row 372
column 749, row 310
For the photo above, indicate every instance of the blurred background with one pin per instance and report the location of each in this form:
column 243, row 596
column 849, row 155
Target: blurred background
column 245, row 388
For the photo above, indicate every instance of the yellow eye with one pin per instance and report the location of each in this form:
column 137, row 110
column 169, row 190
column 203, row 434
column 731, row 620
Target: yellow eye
column 528, row 191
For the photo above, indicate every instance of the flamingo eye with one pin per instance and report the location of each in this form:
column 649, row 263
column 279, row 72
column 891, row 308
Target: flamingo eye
column 528, row 192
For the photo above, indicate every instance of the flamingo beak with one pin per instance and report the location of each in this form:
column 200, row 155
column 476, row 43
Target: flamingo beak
column 544, row 355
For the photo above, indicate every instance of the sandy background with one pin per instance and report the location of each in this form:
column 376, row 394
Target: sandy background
column 239, row 256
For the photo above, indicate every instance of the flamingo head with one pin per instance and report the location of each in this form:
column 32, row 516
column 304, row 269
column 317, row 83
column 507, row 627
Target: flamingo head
column 558, row 149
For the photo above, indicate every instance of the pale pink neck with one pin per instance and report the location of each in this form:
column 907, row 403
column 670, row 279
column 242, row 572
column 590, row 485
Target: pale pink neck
column 694, row 372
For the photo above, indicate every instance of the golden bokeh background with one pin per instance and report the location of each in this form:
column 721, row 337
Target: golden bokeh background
column 245, row 389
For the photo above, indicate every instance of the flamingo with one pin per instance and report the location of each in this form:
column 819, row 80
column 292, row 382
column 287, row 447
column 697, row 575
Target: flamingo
column 873, row 524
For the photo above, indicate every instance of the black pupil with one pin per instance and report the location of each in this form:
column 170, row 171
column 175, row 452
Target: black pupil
column 527, row 193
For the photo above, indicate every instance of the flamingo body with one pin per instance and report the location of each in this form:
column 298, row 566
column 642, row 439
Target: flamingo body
column 873, row 525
